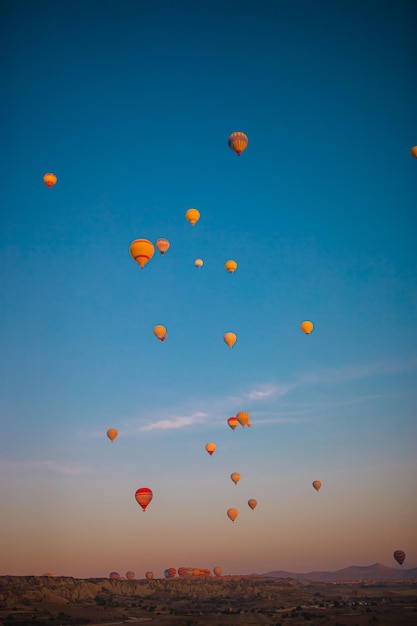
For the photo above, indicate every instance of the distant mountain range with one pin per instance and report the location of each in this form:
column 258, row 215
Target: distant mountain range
column 353, row 572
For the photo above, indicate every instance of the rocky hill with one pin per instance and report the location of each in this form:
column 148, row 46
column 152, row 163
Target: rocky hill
column 351, row 573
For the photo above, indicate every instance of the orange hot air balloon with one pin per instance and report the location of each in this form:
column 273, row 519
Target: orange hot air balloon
column 238, row 142
column 235, row 476
column 50, row 180
column 160, row 332
column 232, row 422
column 243, row 418
column 217, row 571
column 317, row 485
column 230, row 266
column 130, row 575
column 143, row 496
column 199, row 263
column 249, row 424
column 232, row 514
column 210, row 447
column 142, row 250
column 399, row 556
column 230, row 339
column 413, row 152
column 306, row 327
column 149, row 575
column 252, row 503
column 112, row 434
column 162, row 245
column 192, row 216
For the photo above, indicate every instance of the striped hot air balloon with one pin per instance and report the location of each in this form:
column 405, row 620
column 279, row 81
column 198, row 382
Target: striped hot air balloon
column 238, row 142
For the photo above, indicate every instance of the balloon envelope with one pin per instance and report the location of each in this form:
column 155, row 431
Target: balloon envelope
column 399, row 556
column 162, row 245
column 112, row 434
column 233, row 422
column 235, row 476
column 142, row 250
column 149, row 575
column 130, row 575
column 238, row 142
column 230, row 339
column 114, row 575
column 199, row 263
column 210, row 447
column 413, row 152
column 243, row 418
column 143, row 496
column 232, row 514
column 192, row 216
column 317, row 485
column 50, row 179
column 306, row 327
column 217, row 571
column 252, row 503
column 230, row 266
column 160, row 332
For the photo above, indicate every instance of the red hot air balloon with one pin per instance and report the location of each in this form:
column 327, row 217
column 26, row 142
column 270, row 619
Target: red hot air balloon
column 399, row 556
column 143, row 496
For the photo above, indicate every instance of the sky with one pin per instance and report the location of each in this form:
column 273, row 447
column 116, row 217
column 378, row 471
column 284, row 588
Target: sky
column 131, row 105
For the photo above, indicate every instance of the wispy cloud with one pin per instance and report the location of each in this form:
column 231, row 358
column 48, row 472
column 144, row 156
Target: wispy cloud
column 175, row 422
column 268, row 390
column 335, row 376
column 39, row 465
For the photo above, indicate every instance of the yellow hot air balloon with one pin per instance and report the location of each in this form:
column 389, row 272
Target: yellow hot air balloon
column 232, row 514
column 142, row 250
column 162, row 245
column 198, row 263
column 192, row 216
column 243, row 418
column 235, row 476
column 210, row 447
column 252, row 503
column 238, row 142
column 217, row 571
column 160, row 332
column 50, row 180
column 230, row 339
column 317, row 485
column 230, row 266
column 306, row 327
column 413, row 152
column 112, row 434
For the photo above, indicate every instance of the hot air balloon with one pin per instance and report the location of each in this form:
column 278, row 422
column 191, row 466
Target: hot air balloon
column 162, row 245
column 316, row 485
column 243, row 418
column 182, row 572
column 199, row 263
column 413, row 152
column 238, row 142
column 149, row 575
column 50, row 180
column 210, row 447
column 217, row 571
column 114, row 575
column 170, row 572
column 232, row 422
column 230, row 339
column 252, row 503
column 235, row 476
column 112, row 434
column 160, row 332
column 192, row 216
column 130, row 575
column 49, row 574
column 249, row 424
column 143, row 497
column 230, row 266
column 306, row 327
column 142, row 250
column 232, row 514
column 399, row 556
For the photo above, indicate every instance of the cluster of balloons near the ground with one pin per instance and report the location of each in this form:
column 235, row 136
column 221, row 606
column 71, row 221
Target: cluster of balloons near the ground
column 170, row 572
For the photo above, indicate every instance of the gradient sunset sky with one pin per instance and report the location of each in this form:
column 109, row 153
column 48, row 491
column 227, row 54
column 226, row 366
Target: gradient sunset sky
column 130, row 104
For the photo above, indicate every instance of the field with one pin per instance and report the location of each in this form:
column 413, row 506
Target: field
column 229, row 601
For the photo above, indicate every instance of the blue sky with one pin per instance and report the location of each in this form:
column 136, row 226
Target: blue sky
column 130, row 105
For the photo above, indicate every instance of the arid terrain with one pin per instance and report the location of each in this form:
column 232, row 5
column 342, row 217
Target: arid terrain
column 223, row 601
